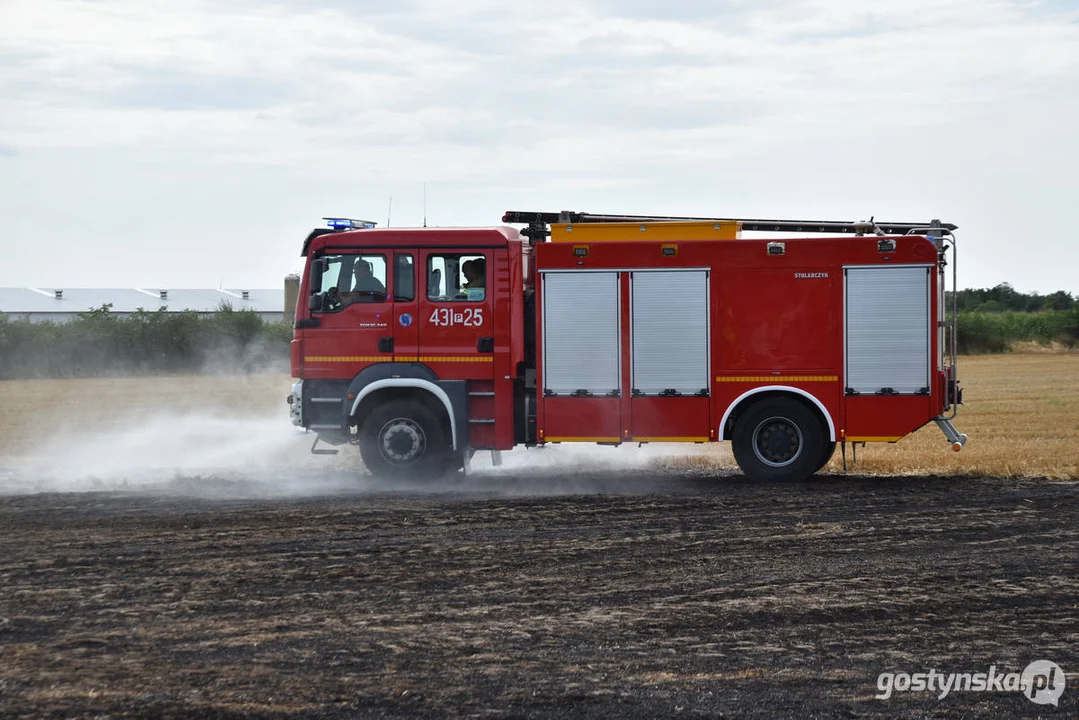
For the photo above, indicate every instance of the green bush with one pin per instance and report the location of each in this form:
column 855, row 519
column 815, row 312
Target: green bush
column 986, row 332
column 1071, row 327
column 98, row 343
column 980, row 333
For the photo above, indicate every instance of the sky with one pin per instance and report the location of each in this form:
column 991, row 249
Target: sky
column 182, row 143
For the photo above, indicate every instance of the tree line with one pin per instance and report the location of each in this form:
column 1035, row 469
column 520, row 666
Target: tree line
column 994, row 319
column 102, row 343
column 1003, row 298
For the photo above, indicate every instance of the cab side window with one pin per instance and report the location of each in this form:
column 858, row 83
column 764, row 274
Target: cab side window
column 404, row 278
column 343, row 280
column 456, row 277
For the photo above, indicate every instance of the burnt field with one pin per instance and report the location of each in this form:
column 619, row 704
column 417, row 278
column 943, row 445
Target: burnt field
column 628, row 594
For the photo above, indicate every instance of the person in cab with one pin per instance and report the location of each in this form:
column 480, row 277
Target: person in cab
column 364, row 281
column 475, row 272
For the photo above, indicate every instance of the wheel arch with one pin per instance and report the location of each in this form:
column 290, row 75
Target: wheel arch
column 424, row 388
column 750, row 396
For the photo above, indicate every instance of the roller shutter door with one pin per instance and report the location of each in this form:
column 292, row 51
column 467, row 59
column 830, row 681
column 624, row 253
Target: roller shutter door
column 670, row 332
column 581, row 332
column 887, row 329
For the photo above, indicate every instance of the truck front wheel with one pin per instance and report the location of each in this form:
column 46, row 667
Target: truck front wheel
column 778, row 439
column 404, row 439
column 827, row 451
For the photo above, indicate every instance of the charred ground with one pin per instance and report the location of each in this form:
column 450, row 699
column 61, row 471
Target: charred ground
column 663, row 594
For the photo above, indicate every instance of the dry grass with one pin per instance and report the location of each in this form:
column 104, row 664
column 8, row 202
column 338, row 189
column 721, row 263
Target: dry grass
column 1022, row 416
column 1033, row 347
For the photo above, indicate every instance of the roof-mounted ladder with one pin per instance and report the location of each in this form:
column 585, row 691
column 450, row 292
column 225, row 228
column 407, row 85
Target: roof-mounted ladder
column 538, row 221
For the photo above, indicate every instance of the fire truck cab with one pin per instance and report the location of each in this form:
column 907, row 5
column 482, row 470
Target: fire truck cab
column 422, row 345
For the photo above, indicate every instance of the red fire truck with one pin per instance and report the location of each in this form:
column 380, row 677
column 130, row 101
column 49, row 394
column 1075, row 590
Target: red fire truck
column 422, row 345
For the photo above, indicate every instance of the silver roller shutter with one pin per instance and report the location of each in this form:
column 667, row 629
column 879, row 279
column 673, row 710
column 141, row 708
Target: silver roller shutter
column 670, row 331
column 581, row 332
column 887, row 329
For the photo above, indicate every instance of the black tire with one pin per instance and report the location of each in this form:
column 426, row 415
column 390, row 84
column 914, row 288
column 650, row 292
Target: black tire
column 827, row 451
column 404, row 440
column 778, row 439
column 454, row 461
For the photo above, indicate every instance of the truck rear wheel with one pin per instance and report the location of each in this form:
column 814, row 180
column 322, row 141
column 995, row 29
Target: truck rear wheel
column 778, row 439
column 404, row 439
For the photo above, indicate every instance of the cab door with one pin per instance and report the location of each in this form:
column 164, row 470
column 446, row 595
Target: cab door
column 351, row 315
column 405, row 322
column 456, row 318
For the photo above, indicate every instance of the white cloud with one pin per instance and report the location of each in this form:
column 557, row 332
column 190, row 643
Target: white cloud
column 953, row 108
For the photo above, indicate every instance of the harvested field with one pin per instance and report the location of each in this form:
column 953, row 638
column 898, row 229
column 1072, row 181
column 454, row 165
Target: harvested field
column 687, row 595
column 218, row 570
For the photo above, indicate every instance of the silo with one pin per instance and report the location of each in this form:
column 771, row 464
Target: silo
column 292, row 294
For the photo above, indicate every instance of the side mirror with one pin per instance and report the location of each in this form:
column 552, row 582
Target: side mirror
column 314, row 303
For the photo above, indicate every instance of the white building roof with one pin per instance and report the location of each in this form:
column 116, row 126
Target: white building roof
column 23, row 301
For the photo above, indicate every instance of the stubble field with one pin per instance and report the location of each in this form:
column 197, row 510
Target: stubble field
column 169, row 549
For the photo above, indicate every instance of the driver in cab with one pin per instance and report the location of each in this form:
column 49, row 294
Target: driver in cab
column 364, row 281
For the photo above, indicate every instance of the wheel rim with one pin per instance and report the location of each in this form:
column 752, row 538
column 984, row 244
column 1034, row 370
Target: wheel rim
column 401, row 441
column 777, row 442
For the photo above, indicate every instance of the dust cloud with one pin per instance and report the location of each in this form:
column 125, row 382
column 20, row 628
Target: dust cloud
column 587, row 469
column 189, row 454
column 216, row 456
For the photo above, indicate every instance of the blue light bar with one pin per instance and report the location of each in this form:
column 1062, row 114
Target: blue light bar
column 348, row 223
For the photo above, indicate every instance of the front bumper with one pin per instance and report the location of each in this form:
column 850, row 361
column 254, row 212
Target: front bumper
column 295, row 403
